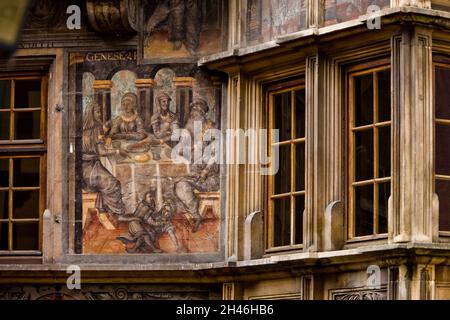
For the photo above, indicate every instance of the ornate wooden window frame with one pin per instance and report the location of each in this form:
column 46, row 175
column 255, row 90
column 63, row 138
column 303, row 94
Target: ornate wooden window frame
column 362, row 69
column 272, row 90
column 25, row 149
column 439, row 61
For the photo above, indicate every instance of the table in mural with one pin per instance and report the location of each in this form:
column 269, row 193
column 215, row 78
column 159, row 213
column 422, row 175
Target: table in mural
column 152, row 171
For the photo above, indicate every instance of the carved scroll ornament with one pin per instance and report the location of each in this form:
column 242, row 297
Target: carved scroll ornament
column 113, row 16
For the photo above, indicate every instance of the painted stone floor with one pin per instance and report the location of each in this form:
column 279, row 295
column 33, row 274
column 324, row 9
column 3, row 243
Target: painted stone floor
column 97, row 239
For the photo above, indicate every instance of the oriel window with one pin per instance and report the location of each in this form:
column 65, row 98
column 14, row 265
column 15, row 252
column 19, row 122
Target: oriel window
column 369, row 152
column 22, row 162
column 287, row 191
column 442, row 142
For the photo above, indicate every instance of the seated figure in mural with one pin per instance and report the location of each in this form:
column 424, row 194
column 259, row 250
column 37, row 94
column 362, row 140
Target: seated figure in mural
column 205, row 176
column 96, row 178
column 128, row 125
column 164, row 122
column 161, row 223
column 139, row 232
column 184, row 22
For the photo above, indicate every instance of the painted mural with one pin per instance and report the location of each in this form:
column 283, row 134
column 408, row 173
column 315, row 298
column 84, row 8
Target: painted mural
column 138, row 192
column 182, row 29
column 267, row 19
column 337, row 11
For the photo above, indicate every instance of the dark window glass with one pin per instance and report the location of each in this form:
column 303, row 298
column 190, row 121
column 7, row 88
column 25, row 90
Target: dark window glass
column 282, row 115
column 5, row 94
column 4, row 125
column 384, row 95
column 300, row 167
column 363, row 100
column 26, row 204
column 27, row 94
column 364, row 155
column 300, row 113
column 299, row 209
column 384, row 150
column 384, row 191
column 4, row 204
column 364, row 210
column 442, row 96
column 282, row 222
column 26, row 172
column 27, row 125
column 4, row 173
column 283, row 176
column 4, row 236
column 25, row 236
column 442, row 149
column 443, row 192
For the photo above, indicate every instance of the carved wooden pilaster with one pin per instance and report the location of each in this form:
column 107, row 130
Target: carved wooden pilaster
column 329, row 109
column 113, row 16
column 231, row 291
column 412, row 212
column 235, row 176
column 313, row 158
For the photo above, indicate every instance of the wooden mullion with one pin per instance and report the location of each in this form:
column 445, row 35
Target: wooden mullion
column 350, row 161
column 31, row 220
column 44, row 86
column 441, row 177
column 282, row 143
column 23, row 110
column 363, row 128
column 442, row 121
column 10, row 209
column 376, row 152
column 42, row 196
column 292, row 173
column 269, row 223
column 24, row 188
column 382, row 124
column 11, row 116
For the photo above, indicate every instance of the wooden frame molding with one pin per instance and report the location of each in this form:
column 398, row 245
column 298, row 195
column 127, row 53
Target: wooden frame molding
column 14, row 149
column 294, row 141
column 374, row 127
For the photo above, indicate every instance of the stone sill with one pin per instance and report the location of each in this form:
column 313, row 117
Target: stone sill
column 439, row 251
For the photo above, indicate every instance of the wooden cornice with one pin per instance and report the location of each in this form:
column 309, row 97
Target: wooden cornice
column 337, row 37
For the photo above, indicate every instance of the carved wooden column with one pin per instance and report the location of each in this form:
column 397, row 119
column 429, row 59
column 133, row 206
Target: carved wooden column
column 145, row 95
column 330, row 108
column 413, row 214
column 102, row 92
column 316, row 149
column 235, row 172
column 183, row 87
